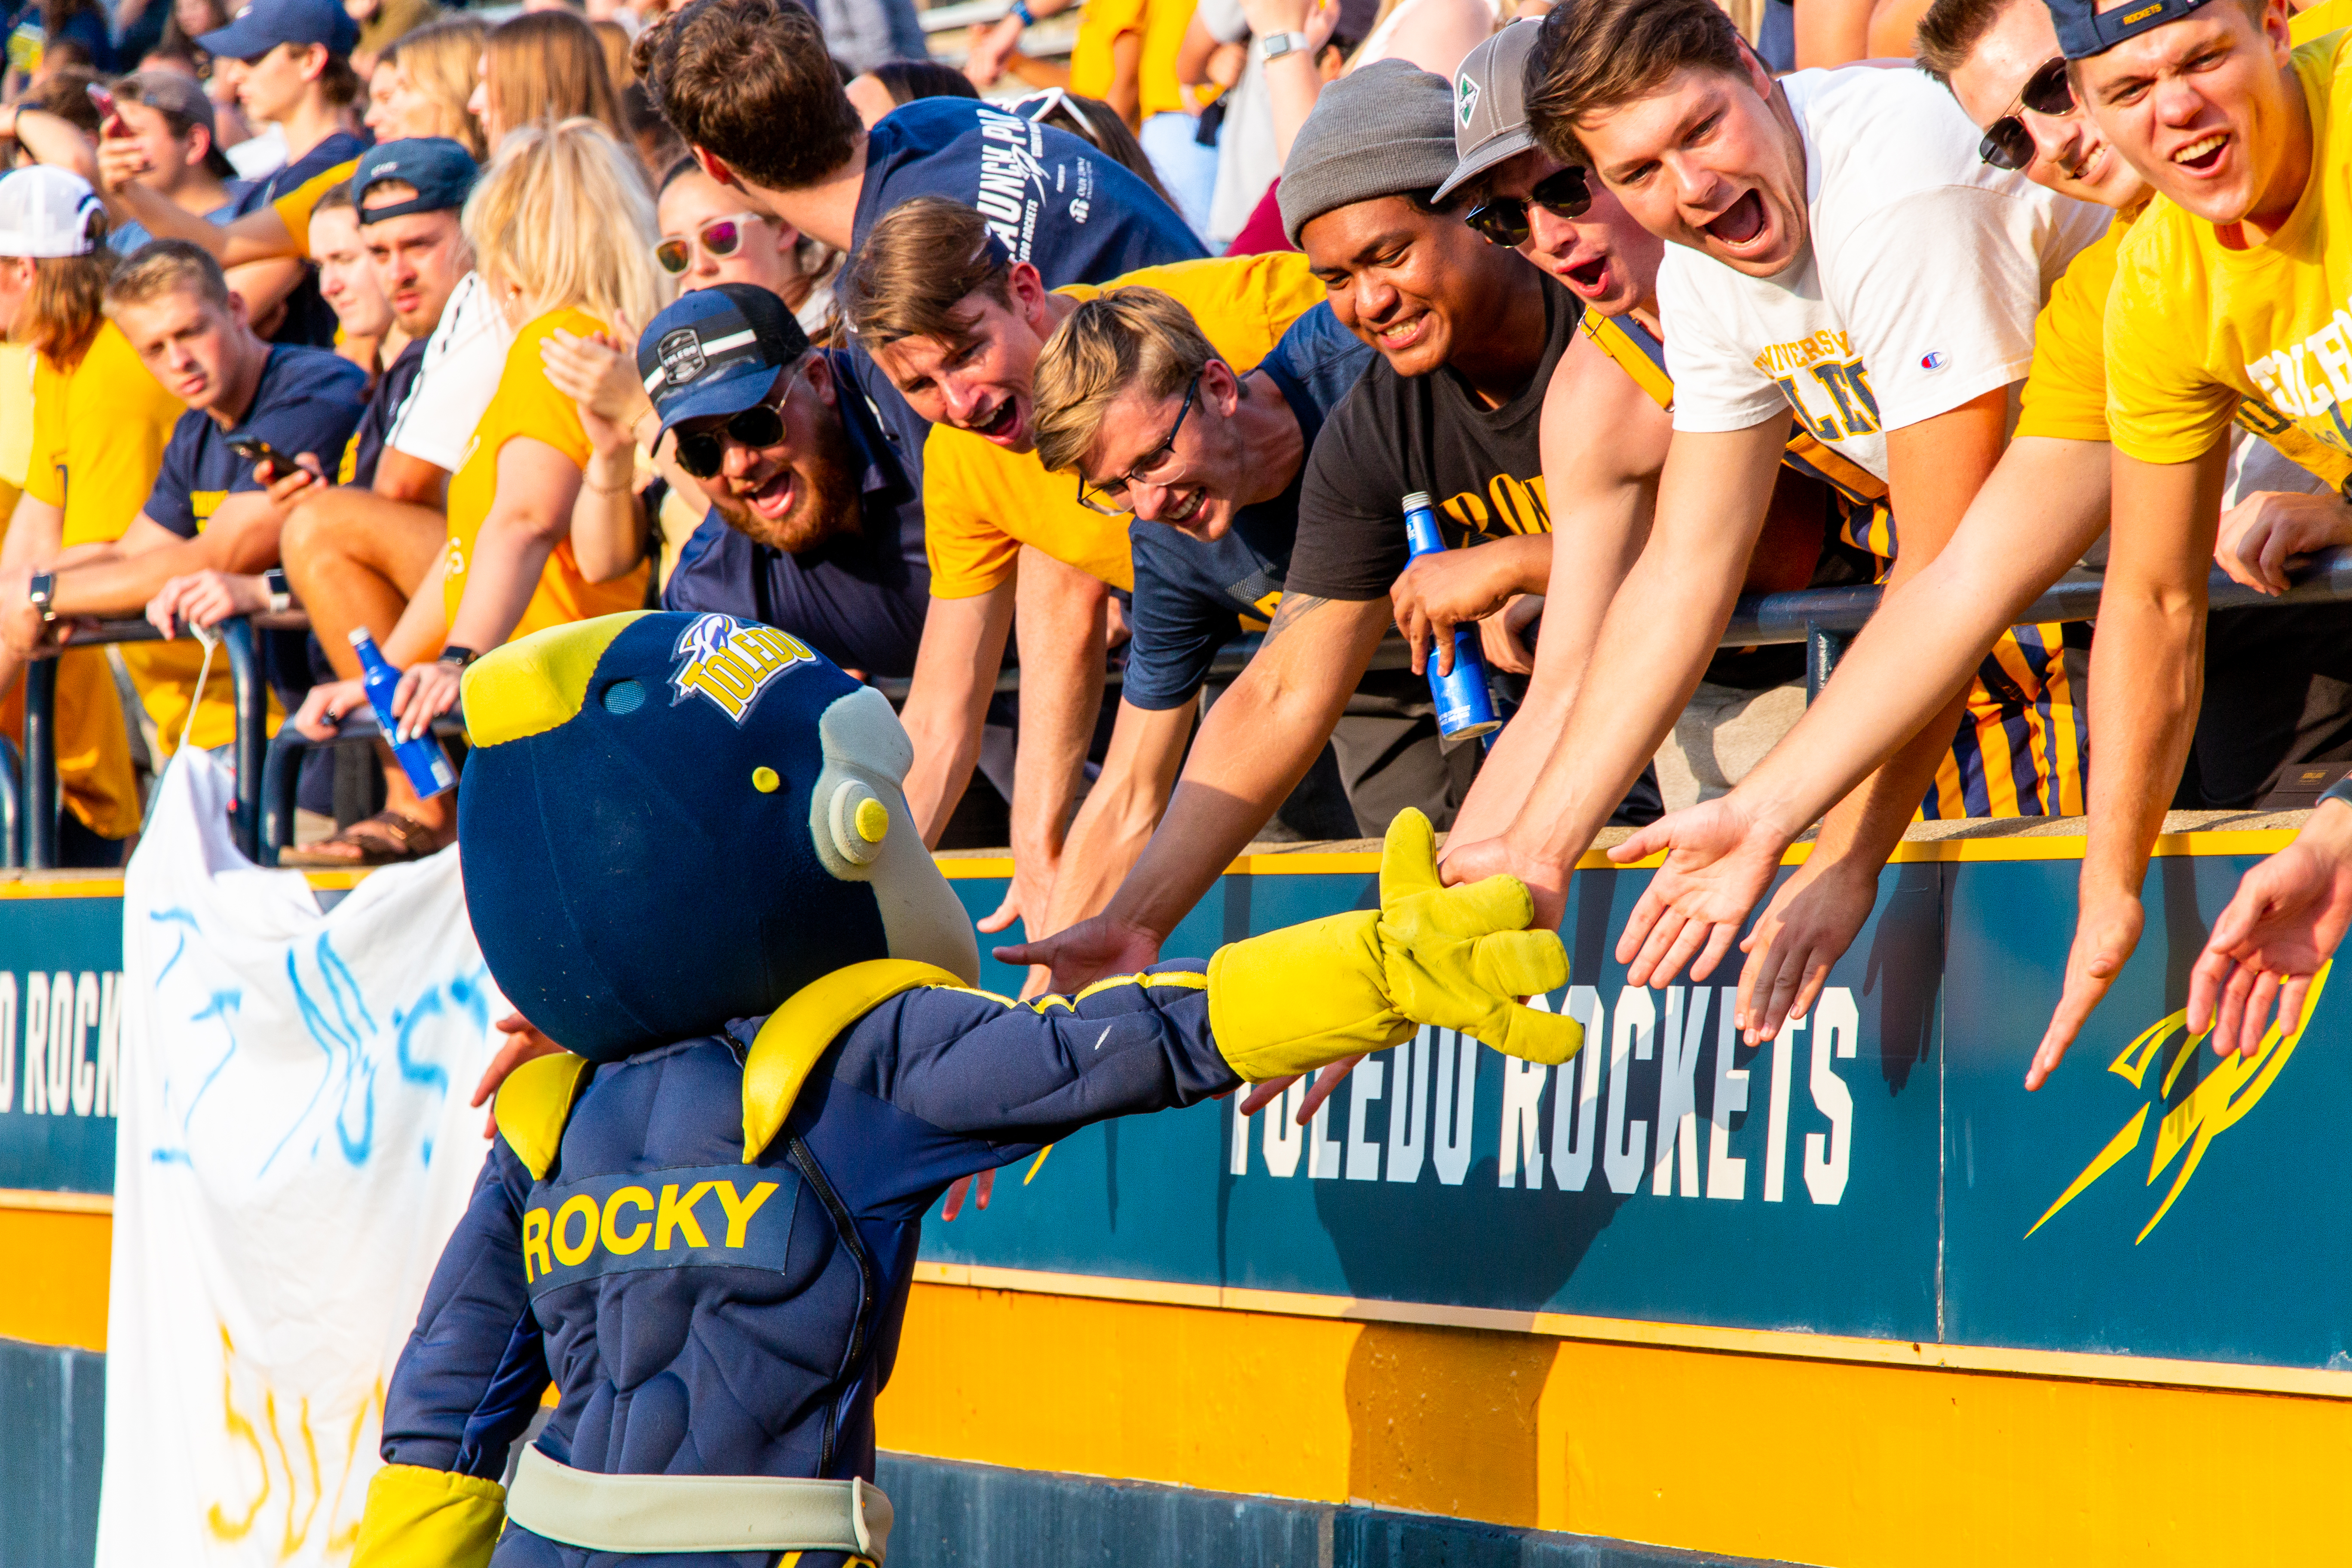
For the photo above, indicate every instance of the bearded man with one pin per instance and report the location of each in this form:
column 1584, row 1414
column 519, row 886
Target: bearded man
column 814, row 527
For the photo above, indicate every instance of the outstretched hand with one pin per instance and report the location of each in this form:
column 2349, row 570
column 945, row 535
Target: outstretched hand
column 1478, row 859
column 2268, row 946
column 2105, row 934
column 1719, row 862
column 1809, row 925
column 1087, row 951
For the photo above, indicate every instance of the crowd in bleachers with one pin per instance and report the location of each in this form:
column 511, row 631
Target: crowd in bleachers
column 445, row 327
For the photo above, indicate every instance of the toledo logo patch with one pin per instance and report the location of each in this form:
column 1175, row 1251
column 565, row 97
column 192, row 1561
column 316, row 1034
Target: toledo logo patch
column 732, row 662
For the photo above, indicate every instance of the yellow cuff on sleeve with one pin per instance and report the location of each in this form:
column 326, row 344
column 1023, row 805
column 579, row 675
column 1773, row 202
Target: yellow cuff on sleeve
column 419, row 1518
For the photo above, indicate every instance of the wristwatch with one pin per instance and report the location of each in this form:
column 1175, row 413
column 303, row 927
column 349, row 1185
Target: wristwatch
column 281, row 597
column 41, row 592
column 458, row 655
column 1020, row 9
column 1274, row 46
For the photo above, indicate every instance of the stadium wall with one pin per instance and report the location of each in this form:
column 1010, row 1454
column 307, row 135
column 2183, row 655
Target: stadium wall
column 1893, row 1311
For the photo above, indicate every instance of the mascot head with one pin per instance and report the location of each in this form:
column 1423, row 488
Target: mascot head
column 672, row 820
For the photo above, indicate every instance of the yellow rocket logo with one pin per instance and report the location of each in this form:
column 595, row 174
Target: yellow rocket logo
column 2228, row 1092
column 732, row 662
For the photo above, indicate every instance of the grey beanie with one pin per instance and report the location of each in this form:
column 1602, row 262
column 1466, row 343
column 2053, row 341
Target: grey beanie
column 1379, row 130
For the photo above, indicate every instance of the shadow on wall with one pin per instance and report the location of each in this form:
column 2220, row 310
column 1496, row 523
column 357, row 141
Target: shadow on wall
column 1444, row 1420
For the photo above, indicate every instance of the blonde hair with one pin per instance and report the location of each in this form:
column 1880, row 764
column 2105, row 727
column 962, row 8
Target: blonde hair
column 549, row 66
column 1124, row 340
column 442, row 60
column 564, row 216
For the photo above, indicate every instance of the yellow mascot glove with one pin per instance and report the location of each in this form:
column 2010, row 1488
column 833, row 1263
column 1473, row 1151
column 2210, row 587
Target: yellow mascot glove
column 419, row 1518
column 1454, row 957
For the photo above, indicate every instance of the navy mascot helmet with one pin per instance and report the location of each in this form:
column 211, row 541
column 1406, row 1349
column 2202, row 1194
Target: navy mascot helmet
column 669, row 821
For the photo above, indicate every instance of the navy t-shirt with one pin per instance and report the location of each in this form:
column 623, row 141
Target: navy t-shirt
column 309, row 317
column 308, row 401
column 1191, row 593
column 858, row 598
column 1056, row 200
column 393, row 390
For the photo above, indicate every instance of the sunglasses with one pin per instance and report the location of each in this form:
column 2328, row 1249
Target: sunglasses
column 1504, row 219
column 1111, row 497
column 720, row 237
column 2007, row 144
column 704, row 452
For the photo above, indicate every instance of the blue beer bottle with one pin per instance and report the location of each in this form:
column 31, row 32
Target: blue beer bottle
column 1464, row 705
column 421, row 758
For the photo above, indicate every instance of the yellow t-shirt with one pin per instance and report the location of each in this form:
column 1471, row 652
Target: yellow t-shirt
column 2194, row 328
column 295, row 206
column 1092, row 67
column 983, row 503
column 1164, row 22
column 526, row 404
column 99, row 434
column 2065, row 396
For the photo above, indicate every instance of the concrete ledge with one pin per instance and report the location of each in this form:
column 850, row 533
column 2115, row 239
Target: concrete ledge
column 957, row 1515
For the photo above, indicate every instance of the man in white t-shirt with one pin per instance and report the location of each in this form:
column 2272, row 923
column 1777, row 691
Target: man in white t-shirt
column 354, row 554
column 1839, row 254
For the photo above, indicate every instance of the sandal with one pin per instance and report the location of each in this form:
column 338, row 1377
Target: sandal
column 394, row 840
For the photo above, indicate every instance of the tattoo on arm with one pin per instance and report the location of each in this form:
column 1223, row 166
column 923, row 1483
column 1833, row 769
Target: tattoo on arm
column 1295, row 608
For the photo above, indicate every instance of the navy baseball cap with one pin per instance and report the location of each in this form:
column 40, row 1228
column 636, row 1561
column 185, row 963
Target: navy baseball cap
column 2084, row 30
column 262, row 25
column 717, row 351
column 442, row 171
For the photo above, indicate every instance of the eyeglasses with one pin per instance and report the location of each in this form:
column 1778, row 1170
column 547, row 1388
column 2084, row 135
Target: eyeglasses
column 703, row 453
column 720, row 237
column 1504, row 219
column 1111, row 497
column 2007, row 144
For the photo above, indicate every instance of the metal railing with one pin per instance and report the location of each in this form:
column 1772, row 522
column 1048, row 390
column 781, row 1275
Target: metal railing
column 1824, row 619
column 38, row 809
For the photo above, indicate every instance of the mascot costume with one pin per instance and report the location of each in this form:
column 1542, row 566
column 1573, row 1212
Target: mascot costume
column 690, row 862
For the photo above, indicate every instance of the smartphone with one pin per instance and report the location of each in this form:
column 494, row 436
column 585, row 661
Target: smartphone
column 109, row 115
column 254, row 449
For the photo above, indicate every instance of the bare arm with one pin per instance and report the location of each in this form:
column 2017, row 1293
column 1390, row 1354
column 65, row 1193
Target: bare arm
column 955, row 676
column 1832, row 33
column 2043, row 504
column 1147, row 747
column 1604, row 440
column 531, row 514
column 1058, row 612
column 608, row 534
column 1255, row 745
column 1661, row 628
column 241, row 537
column 1935, row 468
column 2147, row 671
column 399, row 476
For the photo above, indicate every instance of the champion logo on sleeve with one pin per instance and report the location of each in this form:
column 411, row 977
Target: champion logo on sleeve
column 1933, row 360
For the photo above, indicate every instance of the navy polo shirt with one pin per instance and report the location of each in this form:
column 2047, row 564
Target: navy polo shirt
column 858, row 598
column 308, row 401
column 1057, row 201
column 1191, row 593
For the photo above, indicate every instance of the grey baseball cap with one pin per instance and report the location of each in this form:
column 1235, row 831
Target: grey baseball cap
column 1490, row 103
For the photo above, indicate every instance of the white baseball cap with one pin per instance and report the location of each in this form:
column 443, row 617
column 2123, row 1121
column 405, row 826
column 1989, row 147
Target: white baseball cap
column 46, row 211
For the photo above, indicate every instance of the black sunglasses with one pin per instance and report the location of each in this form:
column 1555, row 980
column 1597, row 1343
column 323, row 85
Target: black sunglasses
column 704, row 452
column 2008, row 144
column 1504, row 219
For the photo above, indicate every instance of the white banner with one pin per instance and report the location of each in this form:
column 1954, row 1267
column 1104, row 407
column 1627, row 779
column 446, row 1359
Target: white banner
column 294, row 1146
